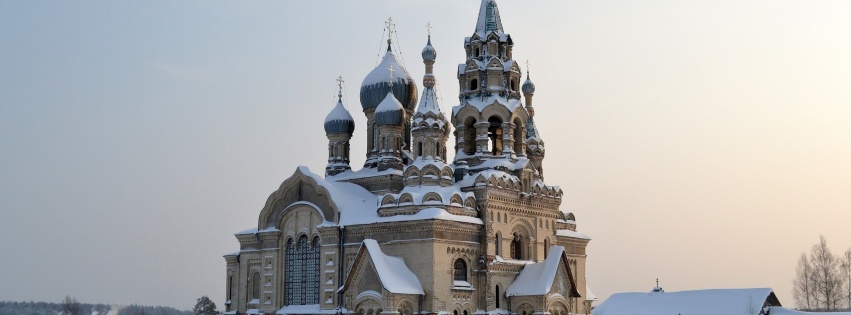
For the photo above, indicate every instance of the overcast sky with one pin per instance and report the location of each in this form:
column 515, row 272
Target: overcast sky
column 706, row 143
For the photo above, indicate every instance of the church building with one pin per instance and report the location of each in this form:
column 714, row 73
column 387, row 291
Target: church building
column 412, row 232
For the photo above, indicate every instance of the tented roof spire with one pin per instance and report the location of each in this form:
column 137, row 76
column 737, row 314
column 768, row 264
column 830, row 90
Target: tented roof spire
column 488, row 19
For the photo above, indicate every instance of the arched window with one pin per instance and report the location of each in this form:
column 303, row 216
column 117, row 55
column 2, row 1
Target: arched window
column 460, row 270
column 474, row 84
column 374, row 136
column 495, row 135
column 470, row 136
column 516, row 247
column 497, row 296
column 255, row 286
column 301, row 271
column 420, row 148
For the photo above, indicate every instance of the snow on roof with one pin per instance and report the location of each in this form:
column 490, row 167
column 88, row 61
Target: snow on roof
column 424, row 214
column 480, row 104
column 589, row 296
column 381, row 73
column 428, row 102
column 537, row 278
column 390, row 103
column 776, row 310
column 361, row 173
column 696, row 302
column 394, row 274
column 339, row 113
column 573, row 234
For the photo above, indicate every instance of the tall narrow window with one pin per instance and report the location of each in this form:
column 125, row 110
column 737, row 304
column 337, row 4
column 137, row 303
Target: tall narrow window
column 301, row 272
column 497, row 296
column 474, row 84
column 460, row 270
column 255, row 286
column 420, row 148
column 498, row 244
column 546, row 247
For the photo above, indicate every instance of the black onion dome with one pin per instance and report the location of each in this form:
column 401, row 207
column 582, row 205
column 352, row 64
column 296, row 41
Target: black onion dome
column 389, row 112
column 429, row 54
column 339, row 121
column 375, row 86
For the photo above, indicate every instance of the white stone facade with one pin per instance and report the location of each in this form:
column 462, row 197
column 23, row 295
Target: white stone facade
column 411, row 232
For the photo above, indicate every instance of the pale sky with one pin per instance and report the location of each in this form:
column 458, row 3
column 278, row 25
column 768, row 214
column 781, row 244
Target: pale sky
column 706, row 143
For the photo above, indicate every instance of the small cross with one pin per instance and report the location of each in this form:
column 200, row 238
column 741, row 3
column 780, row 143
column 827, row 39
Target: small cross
column 428, row 27
column 527, row 66
column 657, row 282
column 340, row 87
column 390, row 68
column 389, row 25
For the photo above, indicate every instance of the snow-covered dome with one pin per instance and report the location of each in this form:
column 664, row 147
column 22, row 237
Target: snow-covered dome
column 339, row 120
column 375, row 86
column 528, row 87
column 429, row 54
column 389, row 111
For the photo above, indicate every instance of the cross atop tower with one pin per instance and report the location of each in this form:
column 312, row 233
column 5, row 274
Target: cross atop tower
column 527, row 67
column 340, row 88
column 428, row 27
column 389, row 26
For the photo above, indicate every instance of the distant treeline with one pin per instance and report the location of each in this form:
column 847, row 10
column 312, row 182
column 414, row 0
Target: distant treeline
column 46, row 308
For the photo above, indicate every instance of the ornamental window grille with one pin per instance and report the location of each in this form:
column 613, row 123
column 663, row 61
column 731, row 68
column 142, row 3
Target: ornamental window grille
column 301, row 272
column 460, row 270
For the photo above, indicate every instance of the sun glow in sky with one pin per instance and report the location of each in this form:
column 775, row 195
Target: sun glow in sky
column 705, row 143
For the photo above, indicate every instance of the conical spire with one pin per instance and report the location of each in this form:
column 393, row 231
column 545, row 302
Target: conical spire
column 488, row 19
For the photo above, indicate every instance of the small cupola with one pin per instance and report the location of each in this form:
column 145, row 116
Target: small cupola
column 389, row 111
column 339, row 121
column 429, row 54
column 528, row 87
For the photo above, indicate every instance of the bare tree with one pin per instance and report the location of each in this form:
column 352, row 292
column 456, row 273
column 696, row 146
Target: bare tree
column 845, row 267
column 802, row 286
column 70, row 306
column 828, row 283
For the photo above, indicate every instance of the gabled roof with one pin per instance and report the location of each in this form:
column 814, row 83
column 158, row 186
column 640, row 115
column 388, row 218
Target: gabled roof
column 537, row 278
column 696, row 302
column 395, row 276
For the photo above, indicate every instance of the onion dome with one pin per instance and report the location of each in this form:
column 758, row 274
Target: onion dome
column 429, row 54
column 339, row 120
column 375, row 86
column 528, row 87
column 389, row 111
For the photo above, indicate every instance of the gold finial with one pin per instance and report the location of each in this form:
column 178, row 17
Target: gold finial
column 340, row 88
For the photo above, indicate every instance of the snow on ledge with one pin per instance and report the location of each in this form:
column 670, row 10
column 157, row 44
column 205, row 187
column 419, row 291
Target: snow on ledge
column 305, row 309
column 572, row 234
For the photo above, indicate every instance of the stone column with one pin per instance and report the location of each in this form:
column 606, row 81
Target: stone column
column 482, row 136
column 507, row 138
